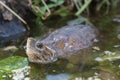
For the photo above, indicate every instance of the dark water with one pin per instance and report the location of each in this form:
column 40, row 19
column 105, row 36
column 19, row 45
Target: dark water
column 101, row 62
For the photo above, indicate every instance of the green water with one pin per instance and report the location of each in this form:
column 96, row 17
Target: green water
column 102, row 62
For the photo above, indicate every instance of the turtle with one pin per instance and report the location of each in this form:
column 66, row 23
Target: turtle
column 61, row 43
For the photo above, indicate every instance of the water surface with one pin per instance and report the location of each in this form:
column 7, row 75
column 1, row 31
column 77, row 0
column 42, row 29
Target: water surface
column 101, row 62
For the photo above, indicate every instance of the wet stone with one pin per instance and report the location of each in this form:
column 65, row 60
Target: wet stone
column 10, row 30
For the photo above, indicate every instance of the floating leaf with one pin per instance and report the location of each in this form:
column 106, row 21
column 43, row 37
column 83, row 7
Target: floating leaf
column 13, row 62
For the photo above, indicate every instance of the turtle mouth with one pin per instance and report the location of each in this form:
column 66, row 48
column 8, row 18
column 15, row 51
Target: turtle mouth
column 43, row 61
column 42, row 58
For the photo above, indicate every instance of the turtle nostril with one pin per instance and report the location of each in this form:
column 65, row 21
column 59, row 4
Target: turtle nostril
column 40, row 45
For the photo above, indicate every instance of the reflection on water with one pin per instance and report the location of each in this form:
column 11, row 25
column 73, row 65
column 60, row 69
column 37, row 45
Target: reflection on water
column 82, row 66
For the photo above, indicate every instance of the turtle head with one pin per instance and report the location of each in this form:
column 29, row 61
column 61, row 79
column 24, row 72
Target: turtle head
column 38, row 52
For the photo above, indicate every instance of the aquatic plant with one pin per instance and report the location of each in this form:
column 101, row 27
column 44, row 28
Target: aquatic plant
column 45, row 8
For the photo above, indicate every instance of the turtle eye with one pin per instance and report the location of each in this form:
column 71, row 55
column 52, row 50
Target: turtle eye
column 40, row 45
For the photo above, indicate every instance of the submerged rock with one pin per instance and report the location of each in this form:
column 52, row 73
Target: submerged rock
column 10, row 30
column 11, row 27
column 61, row 43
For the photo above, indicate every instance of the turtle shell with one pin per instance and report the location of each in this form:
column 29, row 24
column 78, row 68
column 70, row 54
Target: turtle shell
column 64, row 42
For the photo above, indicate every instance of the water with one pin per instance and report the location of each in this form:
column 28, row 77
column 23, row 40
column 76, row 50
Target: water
column 102, row 62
